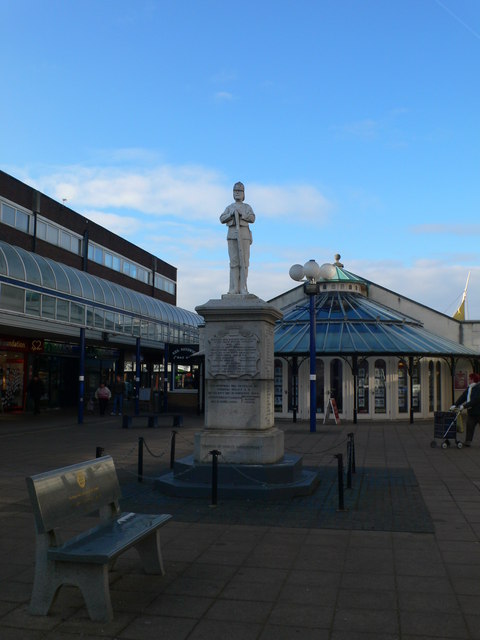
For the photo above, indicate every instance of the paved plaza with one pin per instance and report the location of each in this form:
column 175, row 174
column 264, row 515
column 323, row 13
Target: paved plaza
column 401, row 561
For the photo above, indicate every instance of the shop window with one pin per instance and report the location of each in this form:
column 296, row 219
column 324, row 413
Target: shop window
column 278, row 385
column 33, row 303
column 380, row 387
column 320, row 386
column 417, row 388
column 292, row 387
column 336, row 382
column 363, row 404
column 185, row 376
column 402, row 388
column 12, row 298
column 431, row 387
column 438, row 380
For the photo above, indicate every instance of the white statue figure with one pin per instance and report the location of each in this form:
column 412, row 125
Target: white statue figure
column 239, row 237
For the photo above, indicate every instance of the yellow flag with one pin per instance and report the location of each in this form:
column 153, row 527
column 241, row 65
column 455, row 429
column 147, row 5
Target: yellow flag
column 460, row 312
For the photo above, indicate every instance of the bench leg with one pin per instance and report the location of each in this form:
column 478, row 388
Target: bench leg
column 150, row 553
column 45, row 588
column 92, row 581
column 46, row 582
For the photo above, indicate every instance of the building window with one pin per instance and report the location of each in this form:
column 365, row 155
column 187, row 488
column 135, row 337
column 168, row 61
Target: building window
column 402, row 388
column 438, row 379
column 48, row 306
column 77, row 313
column 431, row 387
column 15, row 217
column 63, row 310
column 363, row 387
column 278, row 386
column 8, row 215
column 320, row 385
column 12, row 298
column 336, row 382
column 417, row 388
column 380, row 386
column 33, row 303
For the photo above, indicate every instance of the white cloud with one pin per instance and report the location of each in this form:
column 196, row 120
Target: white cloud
column 121, row 225
column 187, row 191
column 224, row 96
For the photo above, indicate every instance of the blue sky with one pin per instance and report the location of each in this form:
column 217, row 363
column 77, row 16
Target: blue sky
column 354, row 125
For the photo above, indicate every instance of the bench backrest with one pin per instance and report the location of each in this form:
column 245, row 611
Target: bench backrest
column 77, row 490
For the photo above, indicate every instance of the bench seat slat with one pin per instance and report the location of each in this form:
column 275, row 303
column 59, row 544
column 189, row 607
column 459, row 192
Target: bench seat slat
column 105, row 542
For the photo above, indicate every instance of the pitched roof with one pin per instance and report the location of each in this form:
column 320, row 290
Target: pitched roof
column 349, row 323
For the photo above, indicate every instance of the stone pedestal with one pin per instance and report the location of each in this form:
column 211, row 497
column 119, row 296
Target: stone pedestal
column 239, row 411
column 239, row 366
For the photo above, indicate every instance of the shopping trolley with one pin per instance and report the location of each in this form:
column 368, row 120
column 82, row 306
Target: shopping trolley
column 445, row 428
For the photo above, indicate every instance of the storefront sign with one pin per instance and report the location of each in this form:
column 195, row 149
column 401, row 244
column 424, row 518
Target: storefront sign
column 181, row 352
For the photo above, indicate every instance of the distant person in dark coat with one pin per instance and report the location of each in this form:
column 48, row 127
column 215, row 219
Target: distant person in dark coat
column 118, row 395
column 36, row 389
column 470, row 400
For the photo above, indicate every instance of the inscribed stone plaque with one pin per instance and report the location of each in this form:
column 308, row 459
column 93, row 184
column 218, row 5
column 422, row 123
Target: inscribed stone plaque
column 233, row 354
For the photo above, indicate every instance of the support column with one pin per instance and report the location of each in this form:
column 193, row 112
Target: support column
column 81, row 377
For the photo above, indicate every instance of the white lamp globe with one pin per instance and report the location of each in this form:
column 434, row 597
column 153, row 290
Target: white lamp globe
column 312, row 270
column 296, row 272
column 328, row 271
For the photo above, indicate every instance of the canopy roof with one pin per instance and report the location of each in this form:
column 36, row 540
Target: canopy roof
column 45, row 274
column 349, row 323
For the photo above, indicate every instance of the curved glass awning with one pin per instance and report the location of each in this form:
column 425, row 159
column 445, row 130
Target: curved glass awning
column 37, row 272
column 350, row 323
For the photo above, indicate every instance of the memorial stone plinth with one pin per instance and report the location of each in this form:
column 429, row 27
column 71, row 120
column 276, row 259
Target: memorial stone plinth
column 239, row 366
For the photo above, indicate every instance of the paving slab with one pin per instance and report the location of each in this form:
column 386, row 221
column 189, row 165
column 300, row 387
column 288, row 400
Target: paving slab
column 401, row 561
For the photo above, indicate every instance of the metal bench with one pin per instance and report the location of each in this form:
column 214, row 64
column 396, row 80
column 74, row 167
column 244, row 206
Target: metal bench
column 61, row 496
column 151, row 420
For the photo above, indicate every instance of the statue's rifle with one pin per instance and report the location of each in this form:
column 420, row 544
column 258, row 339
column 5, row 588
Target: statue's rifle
column 243, row 275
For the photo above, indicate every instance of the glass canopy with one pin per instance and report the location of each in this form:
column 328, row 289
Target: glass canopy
column 20, row 268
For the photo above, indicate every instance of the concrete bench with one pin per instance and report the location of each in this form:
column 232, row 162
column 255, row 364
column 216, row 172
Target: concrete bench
column 62, row 496
column 151, row 420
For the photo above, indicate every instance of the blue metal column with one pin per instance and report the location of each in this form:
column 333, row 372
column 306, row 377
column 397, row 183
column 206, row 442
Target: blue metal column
column 138, row 366
column 313, row 366
column 81, row 377
column 165, row 378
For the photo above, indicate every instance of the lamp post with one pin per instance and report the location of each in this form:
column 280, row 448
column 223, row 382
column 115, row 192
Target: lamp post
column 310, row 273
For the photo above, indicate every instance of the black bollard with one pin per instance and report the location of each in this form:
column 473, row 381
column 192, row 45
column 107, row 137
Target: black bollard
column 349, row 464
column 214, row 455
column 172, row 450
column 341, row 504
column 140, row 459
column 99, row 452
column 351, row 437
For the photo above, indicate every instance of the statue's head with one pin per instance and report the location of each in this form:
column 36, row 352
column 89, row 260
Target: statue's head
column 238, row 192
